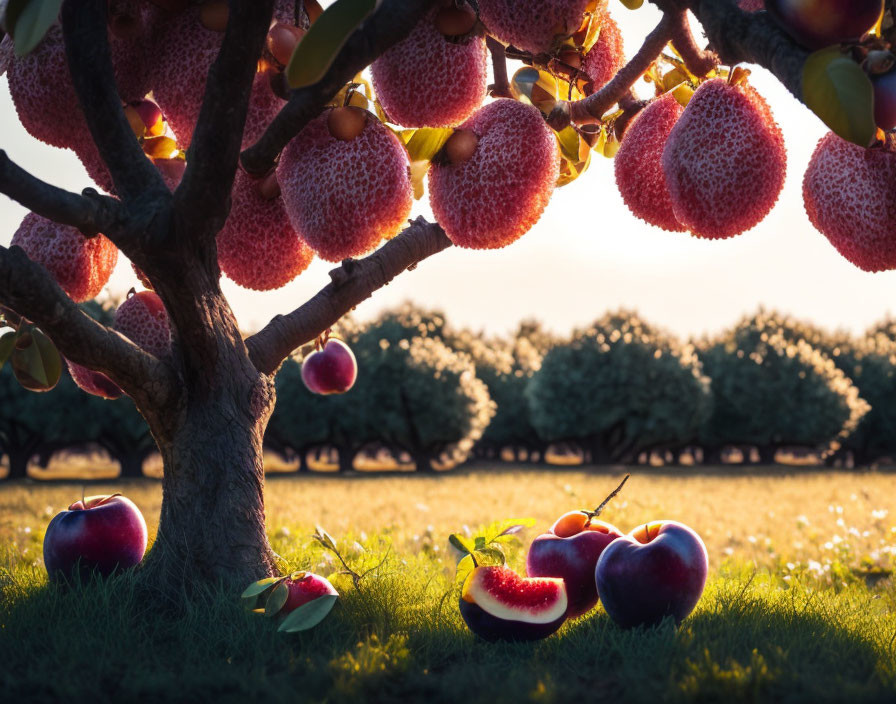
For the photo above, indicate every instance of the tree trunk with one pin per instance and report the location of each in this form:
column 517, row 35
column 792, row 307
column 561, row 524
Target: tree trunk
column 18, row 463
column 423, row 463
column 346, row 459
column 768, row 454
column 131, row 465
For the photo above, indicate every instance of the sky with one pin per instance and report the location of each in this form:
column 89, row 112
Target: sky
column 586, row 255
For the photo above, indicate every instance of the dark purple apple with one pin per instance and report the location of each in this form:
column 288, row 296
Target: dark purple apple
column 497, row 604
column 98, row 534
column 570, row 550
column 657, row 570
column 819, row 23
column 885, row 100
column 331, row 369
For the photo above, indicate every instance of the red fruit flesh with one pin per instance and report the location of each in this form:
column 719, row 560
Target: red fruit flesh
column 427, row 81
column 639, row 168
column 607, row 56
column 724, row 161
column 850, row 198
column 498, row 194
column 81, row 266
column 343, row 197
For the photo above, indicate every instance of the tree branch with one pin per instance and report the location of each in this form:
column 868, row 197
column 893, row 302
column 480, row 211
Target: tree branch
column 90, row 213
column 501, row 87
column 353, row 282
column 87, row 50
column 592, row 108
column 698, row 61
column 391, row 23
column 201, row 202
column 30, row 291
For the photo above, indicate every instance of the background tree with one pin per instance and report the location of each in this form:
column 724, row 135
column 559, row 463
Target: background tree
column 207, row 399
column 619, row 388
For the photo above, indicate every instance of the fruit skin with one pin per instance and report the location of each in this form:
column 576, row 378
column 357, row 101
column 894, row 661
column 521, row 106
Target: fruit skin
column 885, row 100
column 607, row 56
column 497, row 195
column 332, row 370
column 533, row 25
column 80, row 265
column 92, row 382
column 849, row 196
column 304, row 589
column 100, row 534
column 142, row 318
column 751, row 5
column 657, row 570
column 257, row 247
column 344, row 197
column 490, row 605
column 638, row 164
column 724, row 161
column 572, row 557
column 427, row 81
column 819, row 23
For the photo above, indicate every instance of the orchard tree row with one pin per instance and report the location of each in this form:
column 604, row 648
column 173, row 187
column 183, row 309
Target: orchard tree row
column 244, row 137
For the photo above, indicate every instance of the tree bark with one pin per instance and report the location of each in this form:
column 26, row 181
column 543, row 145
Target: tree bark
column 18, row 464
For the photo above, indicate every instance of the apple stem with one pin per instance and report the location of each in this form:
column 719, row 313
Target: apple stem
column 596, row 512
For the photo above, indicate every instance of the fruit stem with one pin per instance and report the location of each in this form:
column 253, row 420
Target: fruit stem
column 596, row 512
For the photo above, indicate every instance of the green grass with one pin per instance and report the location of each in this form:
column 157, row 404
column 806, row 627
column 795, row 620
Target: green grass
column 765, row 630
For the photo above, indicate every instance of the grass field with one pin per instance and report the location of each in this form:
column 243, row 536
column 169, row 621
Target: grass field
column 800, row 606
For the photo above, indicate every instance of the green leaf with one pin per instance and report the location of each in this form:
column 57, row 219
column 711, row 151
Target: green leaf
column 324, row 538
column 464, row 567
column 538, row 88
column 508, row 528
column 259, row 587
column 7, row 345
column 490, row 556
column 464, row 545
column 36, row 363
column 308, row 615
column 27, row 21
column 837, row 90
column 314, row 55
column 276, row 600
column 424, row 143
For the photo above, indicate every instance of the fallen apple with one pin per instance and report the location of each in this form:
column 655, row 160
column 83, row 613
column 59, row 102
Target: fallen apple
column 96, row 534
column 657, row 570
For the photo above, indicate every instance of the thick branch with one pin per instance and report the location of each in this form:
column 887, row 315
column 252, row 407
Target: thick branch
column 89, row 213
column 755, row 38
column 201, row 201
column 501, row 87
column 592, row 108
column 90, row 63
column 352, row 283
column 698, row 61
column 30, row 291
column 391, row 23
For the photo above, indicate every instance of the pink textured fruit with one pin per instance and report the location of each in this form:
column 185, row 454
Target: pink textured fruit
column 533, row 25
column 751, row 5
column 850, row 197
column 185, row 51
column 607, row 56
column 343, row 197
column 639, row 168
column 498, row 194
column 428, row 81
column 257, row 247
column 819, row 23
column 80, row 265
column 92, row 382
column 724, row 161
column 142, row 318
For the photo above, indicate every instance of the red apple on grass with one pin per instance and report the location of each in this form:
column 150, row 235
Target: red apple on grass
column 817, row 24
column 331, row 368
column 657, row 570
column 97, row 534
column 298, row 601
column 570, row 550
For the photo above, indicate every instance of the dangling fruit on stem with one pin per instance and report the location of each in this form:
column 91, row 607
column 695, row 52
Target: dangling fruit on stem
column 143, row 319
column 536, row 26
column 607, row 56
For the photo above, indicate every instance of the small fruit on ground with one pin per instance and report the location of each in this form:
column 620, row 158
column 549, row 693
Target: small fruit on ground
column 534, row 25
column 96, row 535
column 885, row 100
column 497, row 604
column 143, row 319
column 639, row 168
column 427, row 80
column 850, row 198
column 305, row 587
column 819, row 23
column 656, row 571
column 257, row 247
column 498, row 194
column 607, row 56
column 724, row 160
column 344, row 197
column 330, row 370
column 80, row 265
